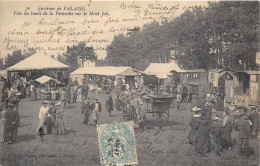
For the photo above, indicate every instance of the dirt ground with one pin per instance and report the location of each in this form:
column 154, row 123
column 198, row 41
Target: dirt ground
column 79, row 146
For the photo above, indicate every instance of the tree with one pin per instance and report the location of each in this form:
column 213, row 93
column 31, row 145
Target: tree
column 16, row 57
column 80, row 53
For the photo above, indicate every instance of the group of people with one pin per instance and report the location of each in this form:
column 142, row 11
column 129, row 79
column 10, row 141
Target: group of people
column 50, row 119
column 95, row 108
column 9, row 117
column 208, row 126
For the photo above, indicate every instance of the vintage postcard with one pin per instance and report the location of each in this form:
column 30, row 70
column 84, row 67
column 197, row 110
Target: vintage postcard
column 129, row 83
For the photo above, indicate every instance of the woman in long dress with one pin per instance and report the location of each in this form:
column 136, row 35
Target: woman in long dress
column 202, row 140
column 3, row 126
column 43, row 117
column 59, row 123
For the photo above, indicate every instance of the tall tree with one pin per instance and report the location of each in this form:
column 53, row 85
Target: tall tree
column 16, row 57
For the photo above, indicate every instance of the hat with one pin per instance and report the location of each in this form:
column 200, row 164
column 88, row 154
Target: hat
column 208, row 94
column 232, row 104
column 207, row 104
column 44, row 102
column 195, row 109
column 96, row 99
column 58, row 104
column 216, row 118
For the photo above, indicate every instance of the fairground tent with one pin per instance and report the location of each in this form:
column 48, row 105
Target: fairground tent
column 37, row 61
column 120, row 71
column 44, row 79
column 161, row 70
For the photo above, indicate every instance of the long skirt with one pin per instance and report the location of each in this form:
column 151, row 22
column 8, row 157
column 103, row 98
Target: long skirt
column 2, row 130
column 59, row 126
column 202, row 144
column 42, row 128
column 226, row 137
column 192, row 135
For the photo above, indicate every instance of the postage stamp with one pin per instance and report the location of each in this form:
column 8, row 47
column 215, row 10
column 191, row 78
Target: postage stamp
column 117, row 143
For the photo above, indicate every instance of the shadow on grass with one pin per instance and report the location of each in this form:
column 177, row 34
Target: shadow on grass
column 26, row 137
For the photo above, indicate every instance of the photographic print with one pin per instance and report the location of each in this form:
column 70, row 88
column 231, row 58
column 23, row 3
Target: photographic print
column 135, row 83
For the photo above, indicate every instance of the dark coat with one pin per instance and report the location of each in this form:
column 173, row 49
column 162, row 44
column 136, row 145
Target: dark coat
column 243, row 128
column 254, row 118
column 194, row 124
column 109, row 103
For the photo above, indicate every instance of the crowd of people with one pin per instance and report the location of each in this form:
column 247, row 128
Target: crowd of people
column 211, row 124
column 212, row 127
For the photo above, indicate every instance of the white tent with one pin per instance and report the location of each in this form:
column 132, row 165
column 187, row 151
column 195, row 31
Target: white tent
column 162, row 70
column 102, row 70
column 38, row 61
column 44, row 79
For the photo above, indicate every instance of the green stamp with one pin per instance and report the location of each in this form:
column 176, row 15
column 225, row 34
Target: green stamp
column 117, row 143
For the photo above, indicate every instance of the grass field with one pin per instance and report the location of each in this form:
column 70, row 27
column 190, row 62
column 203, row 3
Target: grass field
column 79, row 146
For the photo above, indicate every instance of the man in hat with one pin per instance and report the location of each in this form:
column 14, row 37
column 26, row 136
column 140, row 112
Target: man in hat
column 194, row 124
column 96, row 109
column 216, row 132
column 109, row 104
column 11, row 121
column 85, row 109
column 208, row 110
column 254, row 118
column 243, row 127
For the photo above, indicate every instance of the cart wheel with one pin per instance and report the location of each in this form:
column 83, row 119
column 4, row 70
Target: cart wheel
column 161, row 118
column 136, row 105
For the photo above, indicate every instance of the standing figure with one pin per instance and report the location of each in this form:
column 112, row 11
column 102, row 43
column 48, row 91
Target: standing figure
column 109, row 104
column 254, row 118
column 243, row 127
column 216, row 132
column 43, row 117
column 33, row 92
column 68, row 94
column 79, row 97
column 228, row 123
column 59, row 123
column 85, row 109
column 194, row 124
column 63, row 96
column 207, row 110
column 84, row 90
column 96, row 110
column 202, row 139
column 3, row 126
column 74, row 98
column 52, row 114
column 17, row 121
column 178, row 99
column 11, row 122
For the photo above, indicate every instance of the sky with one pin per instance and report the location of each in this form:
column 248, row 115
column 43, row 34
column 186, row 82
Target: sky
column 26, row 25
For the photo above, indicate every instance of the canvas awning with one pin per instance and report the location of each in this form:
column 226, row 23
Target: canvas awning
column 37, row 61
column 161, row 70
column 44, row 79
column 106, row 71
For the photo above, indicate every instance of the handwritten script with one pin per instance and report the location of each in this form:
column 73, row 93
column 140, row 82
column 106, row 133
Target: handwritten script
column 54, row 27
